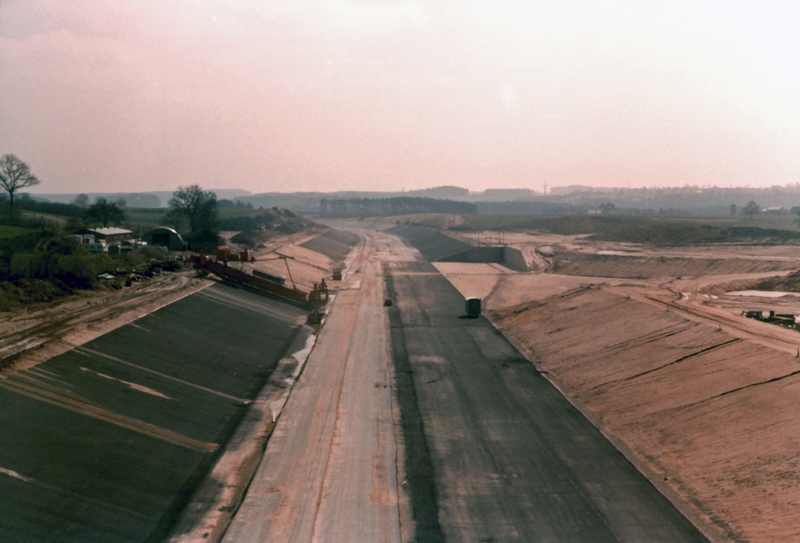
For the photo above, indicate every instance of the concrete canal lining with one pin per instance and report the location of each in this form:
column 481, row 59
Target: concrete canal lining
column 109, row 441
column 437, row 247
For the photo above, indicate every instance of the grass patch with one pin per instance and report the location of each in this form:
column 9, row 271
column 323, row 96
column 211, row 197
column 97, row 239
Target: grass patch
column 11, row 231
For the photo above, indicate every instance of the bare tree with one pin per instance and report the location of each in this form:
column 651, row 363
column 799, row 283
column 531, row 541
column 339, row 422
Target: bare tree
column 751, row 209
column 81, row 200
column 105, row 212
column 174, row 218
column 14, row 175
column 198, row 206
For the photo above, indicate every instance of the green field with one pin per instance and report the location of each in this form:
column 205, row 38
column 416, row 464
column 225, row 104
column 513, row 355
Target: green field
column 775, row 222
column 145, row 216
column 10, row 231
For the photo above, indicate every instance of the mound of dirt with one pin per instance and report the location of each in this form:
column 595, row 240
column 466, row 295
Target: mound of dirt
column 790, row 283
column 15, row 294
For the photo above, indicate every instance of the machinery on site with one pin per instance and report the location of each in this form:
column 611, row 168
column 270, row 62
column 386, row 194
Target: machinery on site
column 787, row 320
column 472, row 306
column 270, row 277
column 314, row 300
column 225, row 255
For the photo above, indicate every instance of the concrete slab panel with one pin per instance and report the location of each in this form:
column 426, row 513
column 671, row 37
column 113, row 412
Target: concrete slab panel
column 108, row 441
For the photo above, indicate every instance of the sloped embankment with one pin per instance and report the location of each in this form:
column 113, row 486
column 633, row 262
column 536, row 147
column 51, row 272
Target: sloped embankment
column 789, row 283
column 432, row 244
column 437, row 247
column 648, row 267
column 109, row 441
column 711, row 417
column 335, row 244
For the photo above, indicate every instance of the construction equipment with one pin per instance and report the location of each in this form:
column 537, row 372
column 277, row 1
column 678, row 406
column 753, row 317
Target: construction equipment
column 285, row 259
column 224, row 255
column 269, row 277
column 787, row 320
column 313, row 300
column 473, row 307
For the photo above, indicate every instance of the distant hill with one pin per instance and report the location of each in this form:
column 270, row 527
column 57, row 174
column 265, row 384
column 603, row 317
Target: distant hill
column 683, row 201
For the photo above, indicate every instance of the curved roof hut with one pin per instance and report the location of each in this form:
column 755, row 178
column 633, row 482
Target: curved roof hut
column 166, row 237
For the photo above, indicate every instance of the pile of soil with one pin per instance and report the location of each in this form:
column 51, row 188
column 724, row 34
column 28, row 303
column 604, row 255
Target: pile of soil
column 790, row 283
column 24, row 292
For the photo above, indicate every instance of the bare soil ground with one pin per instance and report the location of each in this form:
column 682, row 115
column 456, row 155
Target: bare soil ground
column 700, row 398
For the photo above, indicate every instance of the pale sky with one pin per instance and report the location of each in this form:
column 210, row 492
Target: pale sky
column 298, row 95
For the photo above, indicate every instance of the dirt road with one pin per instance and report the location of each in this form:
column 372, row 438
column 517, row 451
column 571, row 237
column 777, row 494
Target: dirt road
column 330, row 469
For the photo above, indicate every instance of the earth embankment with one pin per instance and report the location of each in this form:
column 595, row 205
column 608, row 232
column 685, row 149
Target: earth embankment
column 648, row 267
column 437, row 247
column 335, row 244
column 708, row 415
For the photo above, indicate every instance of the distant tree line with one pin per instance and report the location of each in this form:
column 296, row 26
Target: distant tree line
column 230, row 204
column 375, row 207
column 26, row 202
column 102, row 211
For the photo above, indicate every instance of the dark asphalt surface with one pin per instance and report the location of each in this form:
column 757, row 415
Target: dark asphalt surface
column 493, row 451
column 107, row 442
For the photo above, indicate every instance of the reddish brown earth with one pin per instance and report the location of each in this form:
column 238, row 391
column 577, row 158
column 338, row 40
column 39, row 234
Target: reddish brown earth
column 700, row 398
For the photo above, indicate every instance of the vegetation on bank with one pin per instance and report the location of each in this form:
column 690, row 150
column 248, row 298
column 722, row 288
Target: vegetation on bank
column 639, row 229
column 45, row 264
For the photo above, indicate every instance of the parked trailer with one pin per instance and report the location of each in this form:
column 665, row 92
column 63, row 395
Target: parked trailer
column 473, row 307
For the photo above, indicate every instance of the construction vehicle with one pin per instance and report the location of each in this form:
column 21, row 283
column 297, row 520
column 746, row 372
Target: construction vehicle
column 337, row 274
column 787, row 320
column 472, row 306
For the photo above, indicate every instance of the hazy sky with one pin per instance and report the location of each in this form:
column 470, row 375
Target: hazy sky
column 296, row 95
